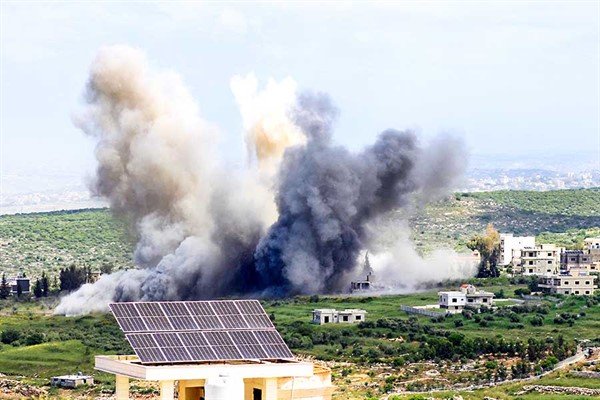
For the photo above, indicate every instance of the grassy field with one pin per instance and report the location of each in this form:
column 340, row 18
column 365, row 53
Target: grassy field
column 69, row 344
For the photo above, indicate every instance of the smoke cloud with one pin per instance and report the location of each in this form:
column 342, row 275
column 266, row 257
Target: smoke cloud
column 299, row 226
column 404, row 269
column 266, row 119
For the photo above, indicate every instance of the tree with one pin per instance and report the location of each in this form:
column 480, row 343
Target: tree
column 4, row 288
column 72, row 278
column 488, row 246
column 37, row 288
column 106, row 268
column 10, row 335
column 45, row 285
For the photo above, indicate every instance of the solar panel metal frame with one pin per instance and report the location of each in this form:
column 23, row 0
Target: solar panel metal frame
column 200, row 331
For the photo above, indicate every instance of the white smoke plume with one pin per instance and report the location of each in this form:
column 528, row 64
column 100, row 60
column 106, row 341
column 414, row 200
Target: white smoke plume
column 155, row 166
column 266, row 119
column 405, row 269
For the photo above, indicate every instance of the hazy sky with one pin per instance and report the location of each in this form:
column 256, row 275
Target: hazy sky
column 512, row 77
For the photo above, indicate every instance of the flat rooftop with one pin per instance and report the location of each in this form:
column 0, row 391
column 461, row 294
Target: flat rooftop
column 131, row 366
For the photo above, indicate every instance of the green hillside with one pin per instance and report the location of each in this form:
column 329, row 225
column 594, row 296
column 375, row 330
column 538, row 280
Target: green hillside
column 55, row 240
column 51, row 241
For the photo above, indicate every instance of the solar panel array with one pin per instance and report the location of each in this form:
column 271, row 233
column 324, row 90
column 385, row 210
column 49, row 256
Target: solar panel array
column 185, row 331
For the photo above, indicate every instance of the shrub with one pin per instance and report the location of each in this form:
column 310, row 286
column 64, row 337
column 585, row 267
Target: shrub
column 520, row 291
column 458, row 323
column 10, row 336
column 34, row 338
column 537, row 321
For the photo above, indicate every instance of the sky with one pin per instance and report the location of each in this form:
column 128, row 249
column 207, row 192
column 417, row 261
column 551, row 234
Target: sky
column 516, row 79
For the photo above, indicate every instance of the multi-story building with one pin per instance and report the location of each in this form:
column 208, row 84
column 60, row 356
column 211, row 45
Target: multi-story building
column 592, row 246
column 452, row 301
column 455, row 301
column 511, row 246
column 540, row 260
column 575, row 259
column 573, row 283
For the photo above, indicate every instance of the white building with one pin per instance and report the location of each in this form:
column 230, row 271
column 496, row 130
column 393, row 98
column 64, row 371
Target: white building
column 511, row 246
column 455, row 301
column 574, row 283
column 72, row 381
column 452, row 301
column 541, row 260
column 323, row 316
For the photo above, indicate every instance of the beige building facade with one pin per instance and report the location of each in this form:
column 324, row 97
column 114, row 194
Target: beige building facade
column 574, row 283
column 541, row 260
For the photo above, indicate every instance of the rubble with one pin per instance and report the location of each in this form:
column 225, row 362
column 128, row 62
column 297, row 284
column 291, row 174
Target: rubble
column 579, row 391
column 9, row 387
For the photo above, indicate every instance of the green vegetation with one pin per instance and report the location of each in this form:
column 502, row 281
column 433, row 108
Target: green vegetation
column 582, row 202
column 53, row 241
column 454, row 221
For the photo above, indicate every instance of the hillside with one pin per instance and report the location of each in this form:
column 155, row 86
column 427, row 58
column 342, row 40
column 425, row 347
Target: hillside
column 50, row 241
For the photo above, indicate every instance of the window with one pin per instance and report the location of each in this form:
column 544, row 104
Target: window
column 530, row 262
column 566, row 283
column 358, row 317
column 530, row 270
column 454, row 300
column 587, row 282
column 549, row 254
column 345, row 318
column 484, row 300
column 587, row 292
column 577, row 282
column 577, row 292
column 470, row 300
column 566, row 292
column 549, row 261
column 326, row 319
column 256, row 394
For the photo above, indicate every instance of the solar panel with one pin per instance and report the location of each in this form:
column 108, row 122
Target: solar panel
column 175, row 332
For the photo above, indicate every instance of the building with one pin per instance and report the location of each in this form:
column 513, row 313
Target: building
column 511, row 246
column 574, row 283
column 476, row 297
column 21, row 282
column 593, row 242
column 456, row 301
column 210, row 350
column 540, row 260
column 370, row 283
column 72, row 381
column 592, row 246
column 323, row 316
column 452, row 301
column 575, row 259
